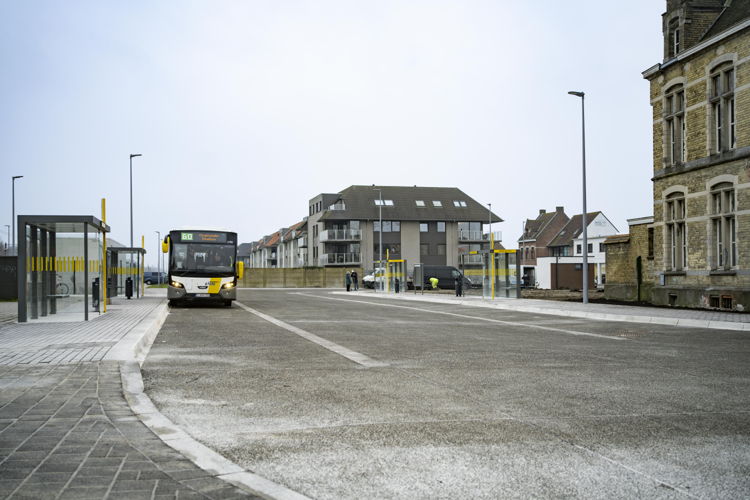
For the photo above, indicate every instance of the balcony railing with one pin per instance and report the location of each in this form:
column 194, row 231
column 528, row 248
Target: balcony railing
column 341, row 235
column 470, row 236
column 302, row 242
column 338, row 206
column 472, row 259
column 331, row 259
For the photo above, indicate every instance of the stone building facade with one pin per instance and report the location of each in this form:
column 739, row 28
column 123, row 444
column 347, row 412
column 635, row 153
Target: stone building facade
column 700, row 98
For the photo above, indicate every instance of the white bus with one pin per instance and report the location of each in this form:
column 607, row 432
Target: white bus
column 202, row 266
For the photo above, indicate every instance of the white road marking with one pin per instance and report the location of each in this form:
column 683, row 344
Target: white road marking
column 489, row 320
column 357, row 357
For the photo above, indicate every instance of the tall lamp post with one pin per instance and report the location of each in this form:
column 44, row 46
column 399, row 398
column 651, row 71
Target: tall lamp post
column 585, row 248
column 131, row 197
column 13, row 219
column 158, row 257
column 380, row 235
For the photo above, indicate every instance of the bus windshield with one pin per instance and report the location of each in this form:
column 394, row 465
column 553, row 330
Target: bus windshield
column 202, row 258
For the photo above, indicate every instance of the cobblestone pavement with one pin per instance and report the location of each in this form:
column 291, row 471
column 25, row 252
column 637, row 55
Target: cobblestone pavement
column 67, row 432
column 60, row 343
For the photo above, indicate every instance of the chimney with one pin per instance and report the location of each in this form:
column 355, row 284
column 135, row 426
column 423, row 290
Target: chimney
column 560, row 209
column 542, row 211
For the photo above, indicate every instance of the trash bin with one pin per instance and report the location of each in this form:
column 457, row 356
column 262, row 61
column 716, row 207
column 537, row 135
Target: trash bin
column 95, row 294
column 128, row 287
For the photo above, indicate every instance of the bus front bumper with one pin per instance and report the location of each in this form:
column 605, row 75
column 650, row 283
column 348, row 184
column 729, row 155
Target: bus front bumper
column 174, row 293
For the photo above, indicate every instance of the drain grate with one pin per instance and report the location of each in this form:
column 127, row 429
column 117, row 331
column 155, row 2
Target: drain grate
column 629, row 334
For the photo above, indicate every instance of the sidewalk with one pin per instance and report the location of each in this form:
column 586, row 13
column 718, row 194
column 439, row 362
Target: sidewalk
column 67, row 428
column 609, row 312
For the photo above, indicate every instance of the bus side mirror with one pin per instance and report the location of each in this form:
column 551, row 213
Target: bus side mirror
column 240, row 269
column 165, row 245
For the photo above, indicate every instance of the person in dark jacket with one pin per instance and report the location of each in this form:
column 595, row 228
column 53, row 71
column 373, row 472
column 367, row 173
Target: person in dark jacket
column 348, row 281
column 459, row 286
column 355, row 280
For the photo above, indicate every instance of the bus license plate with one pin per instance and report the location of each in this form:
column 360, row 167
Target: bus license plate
column 202, row 294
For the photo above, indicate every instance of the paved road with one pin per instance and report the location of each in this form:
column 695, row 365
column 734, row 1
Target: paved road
column 350, row 397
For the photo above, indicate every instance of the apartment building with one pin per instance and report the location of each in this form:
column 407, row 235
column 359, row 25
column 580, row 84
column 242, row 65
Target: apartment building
column 429, row 225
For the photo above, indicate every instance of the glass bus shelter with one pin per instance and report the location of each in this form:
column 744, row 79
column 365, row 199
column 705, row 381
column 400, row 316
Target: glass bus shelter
column 60, row 262
column 125, row 263
column 500, row 273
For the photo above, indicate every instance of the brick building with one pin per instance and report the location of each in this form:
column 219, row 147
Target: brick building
column 536, row 237
column 700, row 96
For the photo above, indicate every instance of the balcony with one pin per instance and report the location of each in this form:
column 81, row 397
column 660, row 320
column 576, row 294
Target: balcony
column 340, row 235
column 302, row 242
column 471, row 236
column 471, row 260
column 338, row 206
column 341, row 259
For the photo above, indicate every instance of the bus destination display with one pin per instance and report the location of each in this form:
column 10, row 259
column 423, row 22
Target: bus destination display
column 196, row 237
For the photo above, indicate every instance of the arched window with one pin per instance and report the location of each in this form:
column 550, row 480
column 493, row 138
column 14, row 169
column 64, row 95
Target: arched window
column 723, row 226
column 721, row 92
column 674, row 119
column 676, row 237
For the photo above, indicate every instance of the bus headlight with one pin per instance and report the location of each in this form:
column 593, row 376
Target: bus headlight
column 227, row 286
column 176, row 284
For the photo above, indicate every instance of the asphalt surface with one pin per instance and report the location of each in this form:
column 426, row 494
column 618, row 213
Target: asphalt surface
column 356, row 397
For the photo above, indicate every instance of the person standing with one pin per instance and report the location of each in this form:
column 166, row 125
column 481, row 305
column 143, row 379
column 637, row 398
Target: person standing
column 348, row 280
column 459, row 286
column 355, row 280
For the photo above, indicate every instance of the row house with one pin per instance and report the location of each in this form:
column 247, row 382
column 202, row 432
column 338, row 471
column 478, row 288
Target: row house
column 551, row 249
column 292, row 248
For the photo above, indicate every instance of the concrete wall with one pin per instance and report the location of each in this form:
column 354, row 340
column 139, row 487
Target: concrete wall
column 315, row 277
column 8, row 277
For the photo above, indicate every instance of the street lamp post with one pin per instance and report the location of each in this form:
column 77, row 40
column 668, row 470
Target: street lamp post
column 585, row 248
column 131, row 197
column 380, row 235
column 158, row 257
column 13, row 219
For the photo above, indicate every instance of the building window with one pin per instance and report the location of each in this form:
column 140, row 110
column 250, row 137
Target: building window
column 389, row 226
column 384, row 203
column 441, row 227
column 424, row 249
column 457, row 203
column 675, row 125
column 578, row 248
column 723, row 226
column 590, row 247
column 423, row 228
column 723, row 119
column 420, row 203
column 601, row 247
column 674, row 38
column 533, row 256
column 436, row 203
column 650, row 243
column 676, row 236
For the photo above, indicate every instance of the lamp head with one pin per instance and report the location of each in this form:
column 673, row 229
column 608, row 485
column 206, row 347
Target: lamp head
column 133, row 156
column 17, row 177
column 577, row 94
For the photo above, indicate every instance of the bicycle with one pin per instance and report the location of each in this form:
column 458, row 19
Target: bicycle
column 61, row 288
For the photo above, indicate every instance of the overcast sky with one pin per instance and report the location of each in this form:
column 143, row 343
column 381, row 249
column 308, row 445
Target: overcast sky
column 244, row 110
